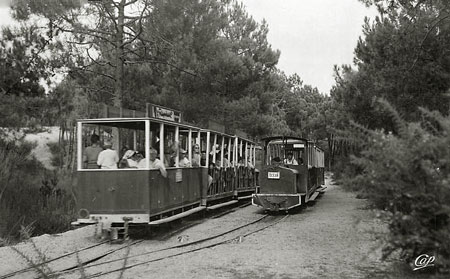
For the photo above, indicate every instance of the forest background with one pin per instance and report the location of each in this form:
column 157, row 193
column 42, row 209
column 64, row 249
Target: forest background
column 384, row 125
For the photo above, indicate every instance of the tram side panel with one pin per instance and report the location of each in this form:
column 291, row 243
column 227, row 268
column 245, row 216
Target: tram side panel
column 112, row 194
column 181, row 188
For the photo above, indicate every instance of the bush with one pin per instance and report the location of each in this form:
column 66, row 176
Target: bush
column 407, row 176
column 31, row 194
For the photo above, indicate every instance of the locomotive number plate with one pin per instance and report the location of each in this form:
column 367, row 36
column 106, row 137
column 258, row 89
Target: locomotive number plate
column 273, row 175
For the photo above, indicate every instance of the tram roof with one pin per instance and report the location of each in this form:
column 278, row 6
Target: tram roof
column 122, row 122
column 106, row 121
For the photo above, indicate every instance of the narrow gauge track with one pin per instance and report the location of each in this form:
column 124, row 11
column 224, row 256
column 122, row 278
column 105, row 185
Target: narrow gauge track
column 272, row 222
column 43, row 264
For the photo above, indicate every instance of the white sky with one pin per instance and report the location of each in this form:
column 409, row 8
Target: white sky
column 312, row 35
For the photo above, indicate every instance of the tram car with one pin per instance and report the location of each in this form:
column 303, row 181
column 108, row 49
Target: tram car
column 292, row 173
column 202, row 169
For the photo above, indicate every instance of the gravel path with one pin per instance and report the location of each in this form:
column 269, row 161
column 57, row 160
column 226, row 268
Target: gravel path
column 331, row 239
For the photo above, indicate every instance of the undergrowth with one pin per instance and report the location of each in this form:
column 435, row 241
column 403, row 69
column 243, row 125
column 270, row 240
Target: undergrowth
column 31, row 194
column 406, row 175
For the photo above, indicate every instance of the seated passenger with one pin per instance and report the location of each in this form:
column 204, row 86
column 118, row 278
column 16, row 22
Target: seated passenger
column 126, row 161
column 203, row 159
column 90, row 153
column 108, row 158
column 226, row 163
column 155, row 163
column 137, row 161
column 290, row 160
column 184, row 161
column 240, row 162
column 196, row 157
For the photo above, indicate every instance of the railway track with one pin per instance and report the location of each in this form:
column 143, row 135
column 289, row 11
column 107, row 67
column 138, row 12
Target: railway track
column 44, row 265
column 235, row 234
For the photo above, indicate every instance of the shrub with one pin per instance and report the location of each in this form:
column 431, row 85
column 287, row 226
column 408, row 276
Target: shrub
column 407, row 175
column 30, row 194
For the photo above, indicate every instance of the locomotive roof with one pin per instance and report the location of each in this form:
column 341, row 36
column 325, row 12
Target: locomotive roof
column 287, row 139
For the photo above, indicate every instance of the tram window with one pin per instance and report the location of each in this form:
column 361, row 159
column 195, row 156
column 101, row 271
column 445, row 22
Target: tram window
column 203, row 151
column 170, row 146
column 213, row 147
column 184, row 148
column 124, row 136
column 196, row 149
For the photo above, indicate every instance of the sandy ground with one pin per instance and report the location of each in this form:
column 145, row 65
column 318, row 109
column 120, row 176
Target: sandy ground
column 334, row 238
column 42, row 151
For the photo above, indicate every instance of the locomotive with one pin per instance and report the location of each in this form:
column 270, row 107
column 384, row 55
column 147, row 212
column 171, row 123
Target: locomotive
column 292, row 173
column 116, row 198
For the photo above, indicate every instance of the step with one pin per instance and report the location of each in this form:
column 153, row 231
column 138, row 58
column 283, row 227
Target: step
column 222, row 204
column 177, row 216
column 314, row 196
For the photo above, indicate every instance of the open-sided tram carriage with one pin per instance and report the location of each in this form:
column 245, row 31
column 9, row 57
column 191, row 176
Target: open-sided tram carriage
column 283, row 185
column 122, row 196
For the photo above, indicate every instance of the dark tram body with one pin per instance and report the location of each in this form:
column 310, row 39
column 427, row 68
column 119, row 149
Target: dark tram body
column 292, row 173
column 125, row 195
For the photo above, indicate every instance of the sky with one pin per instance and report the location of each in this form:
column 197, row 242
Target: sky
column 312, row 35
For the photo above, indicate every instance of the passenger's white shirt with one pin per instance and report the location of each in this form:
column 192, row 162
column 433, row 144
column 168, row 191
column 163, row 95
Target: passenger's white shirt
column 157, row 164
column 184, row 163
column 290, row 162
column 107, row 159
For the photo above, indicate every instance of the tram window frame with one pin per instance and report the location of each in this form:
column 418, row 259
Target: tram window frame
column 106, row 130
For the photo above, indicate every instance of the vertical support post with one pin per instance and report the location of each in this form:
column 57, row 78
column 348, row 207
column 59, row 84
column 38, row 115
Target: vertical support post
column 221, row 151
column 229, row 151
column 240, row 148
column 208, row 138
column 236, row 142
column 214, row 148
column 177, row 142
column 161, row 142
column 246, row 154
column 190, row 145
column 147, row 144
column 79, row 146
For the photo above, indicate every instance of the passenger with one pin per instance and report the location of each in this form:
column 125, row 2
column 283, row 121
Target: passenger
column 155, row 163
column 290, row 160
column 250, row 165
column 211, row 170
column 240, row 162
column 184, row 161
column 108, row 158
column 226, row 163
column 126, row 161
column 90, row 153
column 203, row 159
column 196, row 157
column 140, row 160
column 276, row 161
